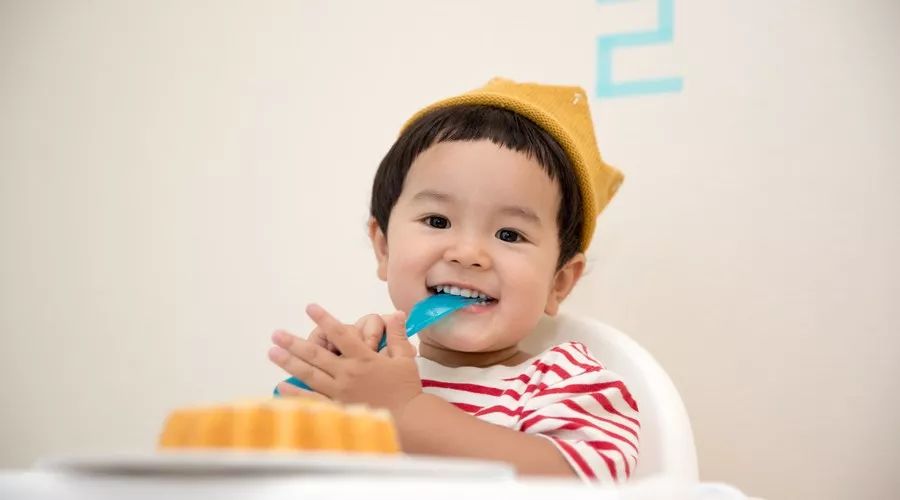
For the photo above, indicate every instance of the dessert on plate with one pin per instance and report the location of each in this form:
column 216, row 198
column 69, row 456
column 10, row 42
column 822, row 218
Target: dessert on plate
column 283, row 424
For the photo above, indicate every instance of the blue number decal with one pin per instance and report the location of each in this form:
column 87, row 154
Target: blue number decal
column 607, row 43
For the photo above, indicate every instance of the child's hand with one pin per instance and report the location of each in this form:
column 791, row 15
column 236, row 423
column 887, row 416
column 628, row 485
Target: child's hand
column 387, row 380
column 286, row 389
column 370, row 328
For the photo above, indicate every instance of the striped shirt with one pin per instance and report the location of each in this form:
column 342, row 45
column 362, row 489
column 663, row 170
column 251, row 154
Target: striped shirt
column 564, row 395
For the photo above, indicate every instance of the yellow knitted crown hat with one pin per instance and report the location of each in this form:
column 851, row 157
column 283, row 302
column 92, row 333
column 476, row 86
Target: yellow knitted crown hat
column 563, row 112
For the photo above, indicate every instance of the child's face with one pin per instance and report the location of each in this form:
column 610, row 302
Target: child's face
column 479, row 216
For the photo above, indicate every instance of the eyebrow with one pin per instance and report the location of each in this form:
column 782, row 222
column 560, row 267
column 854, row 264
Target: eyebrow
column 511, row 210
column 429, row 194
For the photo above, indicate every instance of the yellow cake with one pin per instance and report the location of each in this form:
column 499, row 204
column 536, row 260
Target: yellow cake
column 281, row 424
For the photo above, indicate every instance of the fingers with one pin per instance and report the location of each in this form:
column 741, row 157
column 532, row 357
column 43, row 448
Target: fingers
column 317, row 336
column 397, row 342
column 313, row 376
column 344, row 337
column 312, row 354
column 289, row 390
column 371, row 326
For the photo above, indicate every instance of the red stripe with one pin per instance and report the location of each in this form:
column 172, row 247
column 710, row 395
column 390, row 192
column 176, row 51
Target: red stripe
column 610, row 465
column 588, row 388
column 477, row 389
column 578, row 346
column 517, row 396
column 523, row 414
column 577, row 458
column 573, row 425
column 466, row 407
column 571, row 359
column 575, row 406
column 604, row 402
column 605, row 446
column 584, row 350
column 544, row 368
column 526, row 379
column 532, row 387
column 501, row 409
column 529, row 389
column 482, row 389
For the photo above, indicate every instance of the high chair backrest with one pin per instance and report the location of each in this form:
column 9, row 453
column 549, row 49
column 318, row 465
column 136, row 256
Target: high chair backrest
column 666, row 441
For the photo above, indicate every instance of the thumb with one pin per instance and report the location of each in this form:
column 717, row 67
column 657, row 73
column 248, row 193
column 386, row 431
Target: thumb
column 397, row 343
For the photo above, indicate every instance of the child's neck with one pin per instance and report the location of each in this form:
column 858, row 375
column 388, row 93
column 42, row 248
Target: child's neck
column 509, row 356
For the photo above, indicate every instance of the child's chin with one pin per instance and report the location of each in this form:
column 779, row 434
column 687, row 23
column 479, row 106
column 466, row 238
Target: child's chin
column 464, row 343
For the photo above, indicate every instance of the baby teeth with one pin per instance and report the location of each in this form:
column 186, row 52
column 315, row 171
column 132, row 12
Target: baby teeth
column 463, row 292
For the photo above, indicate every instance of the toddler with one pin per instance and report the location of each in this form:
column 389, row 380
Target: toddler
column 493, row 193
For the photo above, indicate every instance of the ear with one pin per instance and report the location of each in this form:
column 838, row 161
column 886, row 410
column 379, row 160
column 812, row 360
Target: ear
column 563, row 282
column 379, row 245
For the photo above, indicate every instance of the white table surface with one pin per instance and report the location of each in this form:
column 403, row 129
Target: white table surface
column 310, row 477
column 45, row 485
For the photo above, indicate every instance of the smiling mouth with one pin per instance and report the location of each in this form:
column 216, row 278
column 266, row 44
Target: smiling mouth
column 463, row 292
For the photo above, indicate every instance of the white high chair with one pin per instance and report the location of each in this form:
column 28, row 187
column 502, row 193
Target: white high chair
column 666, row 440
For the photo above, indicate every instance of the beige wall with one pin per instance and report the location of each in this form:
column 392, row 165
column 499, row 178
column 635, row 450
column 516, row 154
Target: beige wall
column 177, row 181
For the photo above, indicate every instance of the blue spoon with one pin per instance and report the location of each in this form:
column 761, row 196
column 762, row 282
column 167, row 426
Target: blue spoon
column 425, row 313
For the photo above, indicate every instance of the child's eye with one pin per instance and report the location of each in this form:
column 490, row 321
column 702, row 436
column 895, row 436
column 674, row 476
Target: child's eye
column 509, row 236
column 437, row 222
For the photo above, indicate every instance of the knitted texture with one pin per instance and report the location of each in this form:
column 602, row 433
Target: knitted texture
column 563, row 112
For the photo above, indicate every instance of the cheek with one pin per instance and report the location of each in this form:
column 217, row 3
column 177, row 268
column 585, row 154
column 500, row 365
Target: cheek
column 528, row 274
column 406, row 279
column 526, row 301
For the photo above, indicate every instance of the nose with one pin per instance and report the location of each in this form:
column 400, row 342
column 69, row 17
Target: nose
column 469, row 253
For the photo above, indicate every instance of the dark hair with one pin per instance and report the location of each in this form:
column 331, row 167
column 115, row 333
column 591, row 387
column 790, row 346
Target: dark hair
column 500, row 126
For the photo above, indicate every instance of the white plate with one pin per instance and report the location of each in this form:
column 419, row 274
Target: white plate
column 280, row 463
